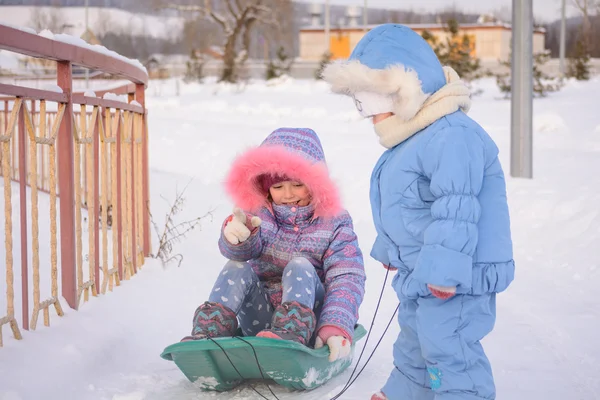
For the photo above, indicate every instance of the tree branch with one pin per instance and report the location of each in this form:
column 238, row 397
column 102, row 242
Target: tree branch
column 239, row 5
column 221, row 21
column 204, row 11
column 235, row 14
column 263, row 14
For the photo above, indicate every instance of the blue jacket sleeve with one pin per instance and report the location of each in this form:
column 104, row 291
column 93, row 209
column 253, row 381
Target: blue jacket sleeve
column 379, row 251
column 454, row 163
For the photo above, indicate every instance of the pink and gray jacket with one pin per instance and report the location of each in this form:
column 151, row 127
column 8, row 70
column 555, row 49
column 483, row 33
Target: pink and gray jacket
column 321, row 232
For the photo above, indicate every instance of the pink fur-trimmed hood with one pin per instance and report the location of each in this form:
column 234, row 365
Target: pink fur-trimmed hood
column 294, row 152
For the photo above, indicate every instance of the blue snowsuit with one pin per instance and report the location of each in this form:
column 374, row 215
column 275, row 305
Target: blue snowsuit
column 439, row 205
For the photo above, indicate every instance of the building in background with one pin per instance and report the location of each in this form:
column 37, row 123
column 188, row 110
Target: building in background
column 491, row 38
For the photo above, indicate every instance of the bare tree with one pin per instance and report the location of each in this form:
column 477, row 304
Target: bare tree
column 580, row 54
column 585, row 43
column 237, row 19
column 278, row 35
column 586, row 7
column 199, row 34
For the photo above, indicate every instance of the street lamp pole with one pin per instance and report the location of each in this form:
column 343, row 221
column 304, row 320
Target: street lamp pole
column 563, row 34
column 521, row 147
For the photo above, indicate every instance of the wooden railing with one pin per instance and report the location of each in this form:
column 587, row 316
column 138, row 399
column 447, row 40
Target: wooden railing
column 90, row 154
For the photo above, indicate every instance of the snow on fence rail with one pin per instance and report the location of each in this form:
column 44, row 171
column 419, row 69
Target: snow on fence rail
column 89, row 152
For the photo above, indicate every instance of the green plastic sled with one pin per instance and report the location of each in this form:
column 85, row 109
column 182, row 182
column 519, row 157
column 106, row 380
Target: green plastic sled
column 287, row 363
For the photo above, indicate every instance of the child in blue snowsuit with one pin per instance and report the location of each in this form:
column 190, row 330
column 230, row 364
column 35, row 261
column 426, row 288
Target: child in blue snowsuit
column 438, row 197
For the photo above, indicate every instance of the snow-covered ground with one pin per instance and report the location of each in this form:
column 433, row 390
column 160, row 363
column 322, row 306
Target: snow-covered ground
column 545, row 343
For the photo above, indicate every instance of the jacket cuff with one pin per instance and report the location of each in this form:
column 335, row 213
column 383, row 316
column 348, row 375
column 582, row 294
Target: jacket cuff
column 327, row 331
column 438, row 265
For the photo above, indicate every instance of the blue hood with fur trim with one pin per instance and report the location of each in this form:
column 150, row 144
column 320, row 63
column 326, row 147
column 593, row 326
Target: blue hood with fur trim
column 392, row 45
column 391, row 60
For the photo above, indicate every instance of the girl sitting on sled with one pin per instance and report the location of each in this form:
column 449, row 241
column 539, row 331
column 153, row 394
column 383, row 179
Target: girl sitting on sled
column 295, row 265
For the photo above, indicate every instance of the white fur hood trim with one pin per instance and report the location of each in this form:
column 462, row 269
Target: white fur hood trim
column 450, row 98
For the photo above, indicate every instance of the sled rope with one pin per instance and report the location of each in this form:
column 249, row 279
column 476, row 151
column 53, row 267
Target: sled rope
column 238, row 372
column 368, row 359
column 350, row 380
column 257, row 363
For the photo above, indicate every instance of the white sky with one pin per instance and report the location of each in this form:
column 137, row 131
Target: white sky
column 544, row 10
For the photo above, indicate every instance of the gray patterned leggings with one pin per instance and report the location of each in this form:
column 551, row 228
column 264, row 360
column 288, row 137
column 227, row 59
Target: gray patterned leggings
column 238, row 288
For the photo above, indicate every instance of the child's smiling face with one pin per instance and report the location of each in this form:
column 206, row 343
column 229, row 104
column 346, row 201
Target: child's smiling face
column 290, row 193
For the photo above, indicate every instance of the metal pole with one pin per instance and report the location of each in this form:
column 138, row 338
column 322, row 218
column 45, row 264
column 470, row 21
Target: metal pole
column 365, row 16
column 522, row 89
column 327, row 22
column 87, row 33
column 563, row 34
